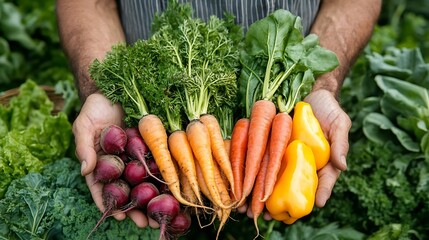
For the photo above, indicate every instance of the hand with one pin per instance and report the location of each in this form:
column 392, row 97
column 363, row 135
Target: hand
column 98, row 112
column 335, row 124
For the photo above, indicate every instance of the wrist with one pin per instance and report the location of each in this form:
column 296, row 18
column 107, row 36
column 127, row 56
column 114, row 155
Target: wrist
column 330, row 82
column 85, row 85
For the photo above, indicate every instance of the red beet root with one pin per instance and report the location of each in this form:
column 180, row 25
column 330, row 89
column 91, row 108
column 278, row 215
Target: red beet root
column 163, row 208
column 136, row 148
column 115, row 195
column 135, row 172
column 113, row 140
column 109, row 167
column 179, row 224
column 141, row 195
column 132, row 132
column 153, row 168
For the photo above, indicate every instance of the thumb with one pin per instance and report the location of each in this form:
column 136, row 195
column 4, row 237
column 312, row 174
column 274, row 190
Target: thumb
column 85, row 151
column 339, row 141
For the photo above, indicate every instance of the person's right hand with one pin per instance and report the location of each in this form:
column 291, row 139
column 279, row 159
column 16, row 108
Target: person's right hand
column 98, row 112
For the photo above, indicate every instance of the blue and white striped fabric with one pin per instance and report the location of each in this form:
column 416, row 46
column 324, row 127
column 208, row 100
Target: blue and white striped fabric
column 137, row 15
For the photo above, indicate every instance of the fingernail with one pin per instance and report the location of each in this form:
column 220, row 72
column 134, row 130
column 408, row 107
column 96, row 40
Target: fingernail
column 344, row 162
column 82, row 167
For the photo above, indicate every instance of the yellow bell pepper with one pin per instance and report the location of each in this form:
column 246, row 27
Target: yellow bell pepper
column 306, row 128
column 294, row 193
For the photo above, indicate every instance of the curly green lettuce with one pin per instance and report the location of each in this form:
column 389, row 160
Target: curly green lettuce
column 30, row 136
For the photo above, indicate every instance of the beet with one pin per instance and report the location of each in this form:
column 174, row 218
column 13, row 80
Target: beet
column 136, row 148
column 113, row 140
column 115, row 195
column 132, row 132
column 141, row 195
column 153, row 168
column 135, row 172
column 163, row 208
column 109, row 167
column 179, row 224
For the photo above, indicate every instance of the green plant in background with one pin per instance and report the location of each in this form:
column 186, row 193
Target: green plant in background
column 403, row 24
column 29, row 44
column 385, row 191
column 30, row 137
column 56, row 204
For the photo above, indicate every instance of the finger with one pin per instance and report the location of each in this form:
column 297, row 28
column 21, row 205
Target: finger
column 242, row 208
column 267, row 216
column 153, row 224
column 339, row 141
column 328, row 176
column 139, row 218
column 249, row 213
column 85, row 151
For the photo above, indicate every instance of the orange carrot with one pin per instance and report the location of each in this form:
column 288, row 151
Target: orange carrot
column 219, row 151
column 222, row 185
column 186, row 188
column 201, row 183
column 181, row 151
column 227, row 143
column 256, row 204
column 261, row 118
column 238, row 154
column 224, row 194
column 199, row 139
column 281, row 130
column 204, row 189
column 155, row 136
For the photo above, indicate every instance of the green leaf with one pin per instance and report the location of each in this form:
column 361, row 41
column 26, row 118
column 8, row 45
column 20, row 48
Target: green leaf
column 380, row 129
column 320, row 60
column 403, row 98
column 424, row 145
column 379, row 66
column 12, row 26
column 413, row 125
column 275, row 58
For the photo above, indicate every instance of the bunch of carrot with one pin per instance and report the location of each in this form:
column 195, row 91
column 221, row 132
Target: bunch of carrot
column 170, row 87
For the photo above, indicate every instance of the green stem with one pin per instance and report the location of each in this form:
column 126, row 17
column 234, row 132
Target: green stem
column 277, row 83
column 266, row 83
column 269, row 229
column 173, row 122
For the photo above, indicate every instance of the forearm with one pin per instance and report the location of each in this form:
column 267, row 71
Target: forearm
column 87, row 29
column 344, row 27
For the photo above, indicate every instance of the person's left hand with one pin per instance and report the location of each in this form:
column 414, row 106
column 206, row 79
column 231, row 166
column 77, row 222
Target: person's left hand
column 335, row 124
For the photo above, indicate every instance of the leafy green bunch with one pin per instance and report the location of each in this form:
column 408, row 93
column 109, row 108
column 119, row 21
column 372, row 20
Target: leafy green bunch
column 387, row 180
column 279, row 61
column 30, row 136
column 187, row 68
column 56, row 204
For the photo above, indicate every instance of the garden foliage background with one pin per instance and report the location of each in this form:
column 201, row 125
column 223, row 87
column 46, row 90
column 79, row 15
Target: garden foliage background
column 384, row 194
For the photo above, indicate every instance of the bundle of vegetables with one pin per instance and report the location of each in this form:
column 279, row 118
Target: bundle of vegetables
column 275, row 155
column 181, row 76
column 132, row 180
column 29, row 136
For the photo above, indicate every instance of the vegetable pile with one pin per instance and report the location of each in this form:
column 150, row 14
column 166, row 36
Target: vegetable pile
column 215, row 112
column 132, row 180
column 281, row 151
